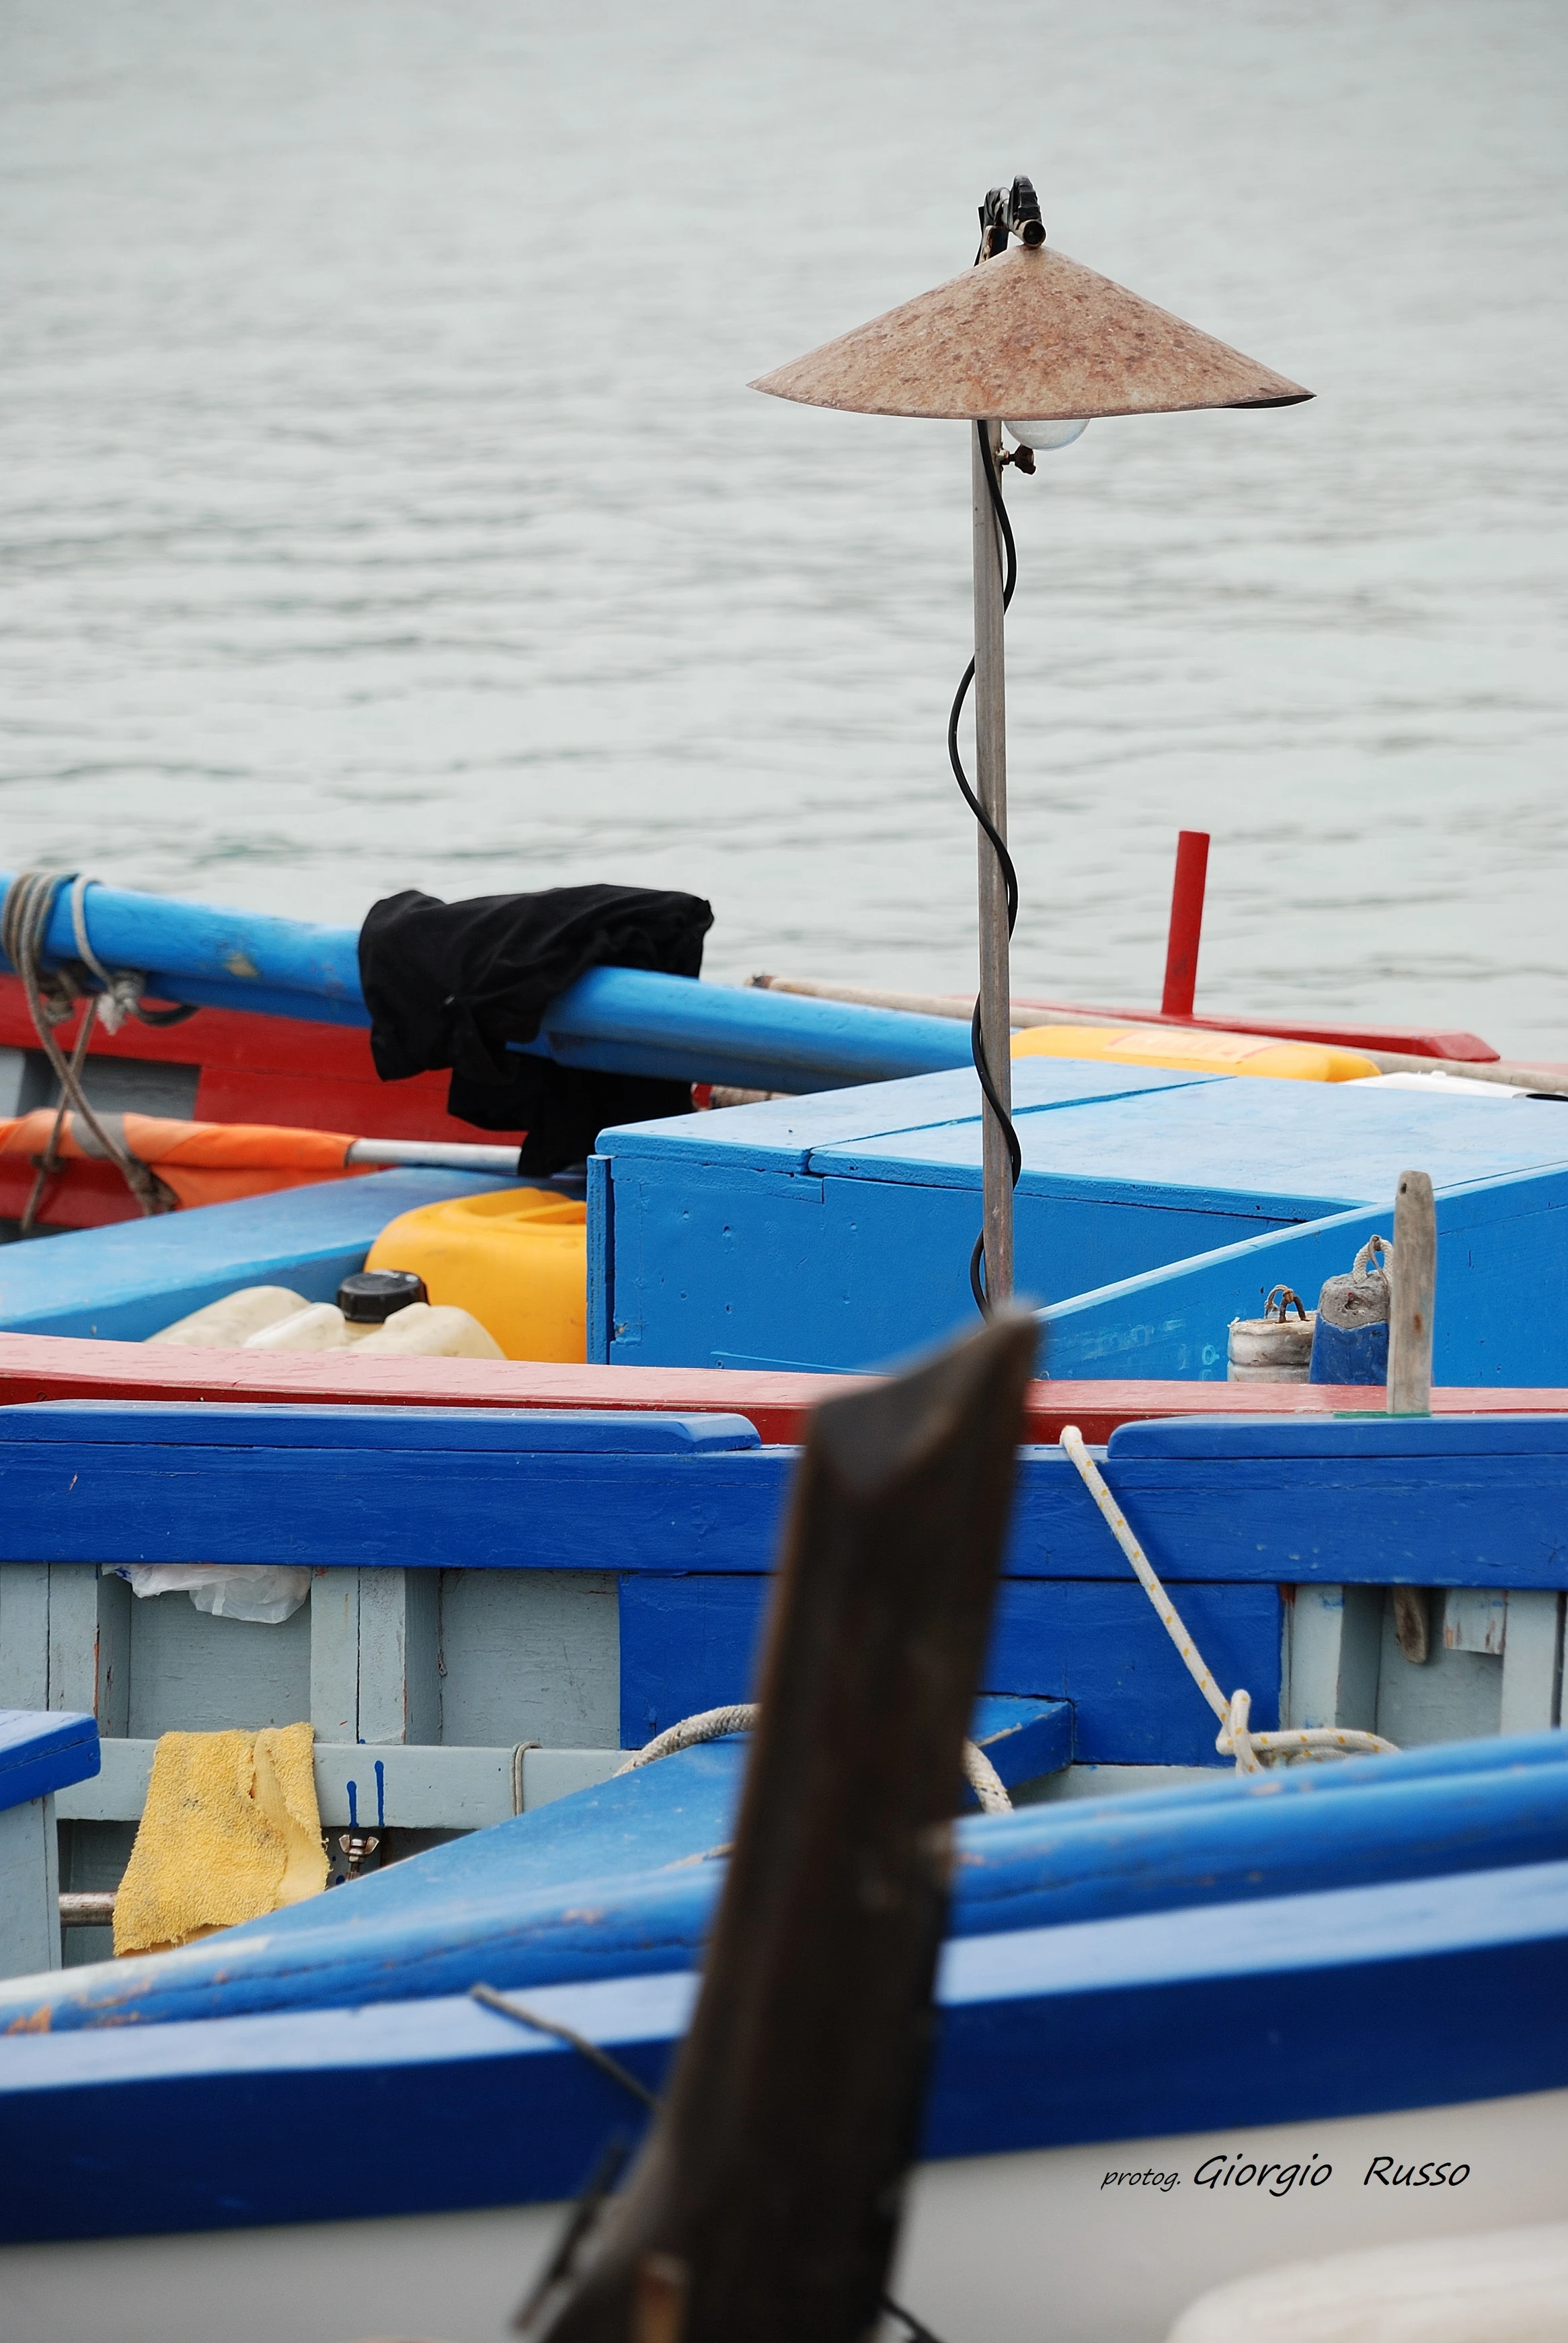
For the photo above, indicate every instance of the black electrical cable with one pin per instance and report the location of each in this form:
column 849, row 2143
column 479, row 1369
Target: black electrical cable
column 999, row 847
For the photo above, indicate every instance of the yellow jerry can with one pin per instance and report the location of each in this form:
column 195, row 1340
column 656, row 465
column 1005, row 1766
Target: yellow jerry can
column 516, row 1259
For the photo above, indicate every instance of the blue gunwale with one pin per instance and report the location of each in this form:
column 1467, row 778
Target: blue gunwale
column 1442, row 1502
column 1295, row 2007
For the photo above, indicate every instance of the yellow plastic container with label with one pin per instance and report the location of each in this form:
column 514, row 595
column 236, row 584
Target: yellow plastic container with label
column 1190, row 1051
column 515, row 1259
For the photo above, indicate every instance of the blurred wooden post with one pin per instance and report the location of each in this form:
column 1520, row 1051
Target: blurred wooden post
column 765, row 2203
column 1413, row 1287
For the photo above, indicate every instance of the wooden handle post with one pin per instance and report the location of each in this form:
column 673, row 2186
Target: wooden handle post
column 1414, row 1287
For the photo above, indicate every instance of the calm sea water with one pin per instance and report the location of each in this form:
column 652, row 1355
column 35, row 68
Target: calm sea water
column 381, row 502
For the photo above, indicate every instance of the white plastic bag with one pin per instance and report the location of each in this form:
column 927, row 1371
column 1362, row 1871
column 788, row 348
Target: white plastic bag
column 267, row 1593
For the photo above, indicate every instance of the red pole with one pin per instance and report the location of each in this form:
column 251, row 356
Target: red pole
column 1186, row 923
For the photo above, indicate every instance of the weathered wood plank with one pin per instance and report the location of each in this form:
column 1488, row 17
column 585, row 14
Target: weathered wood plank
column 1531, row 1663
column 1334, row 1638
column 24, row 1634
column 335, row 1654
column 419, row 1786
column 1412, row 1289
column 29, row 1888
column 773, row 2175
column 399, row 1651
column 530, row 1656
column 1474, row 1619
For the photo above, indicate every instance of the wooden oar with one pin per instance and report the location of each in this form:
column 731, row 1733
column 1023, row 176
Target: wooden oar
column 766, row 2201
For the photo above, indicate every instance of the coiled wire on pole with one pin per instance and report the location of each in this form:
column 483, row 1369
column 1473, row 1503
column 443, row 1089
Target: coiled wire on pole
column 1003, row 528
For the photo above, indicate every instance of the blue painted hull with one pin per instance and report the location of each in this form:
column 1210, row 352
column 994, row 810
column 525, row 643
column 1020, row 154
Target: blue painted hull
column 1312, row 1979
column 1254, row 1971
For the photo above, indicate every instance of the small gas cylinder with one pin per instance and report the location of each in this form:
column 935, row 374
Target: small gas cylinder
column 1350, row 1345
column 1274, row 1348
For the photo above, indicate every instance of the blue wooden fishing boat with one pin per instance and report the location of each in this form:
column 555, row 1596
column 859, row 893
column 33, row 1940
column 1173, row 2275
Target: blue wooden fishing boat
column 823, row 1230
column 503, row 1604
column 1181, row 2036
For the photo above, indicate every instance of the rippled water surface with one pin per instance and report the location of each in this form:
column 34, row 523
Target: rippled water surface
column 381, row 502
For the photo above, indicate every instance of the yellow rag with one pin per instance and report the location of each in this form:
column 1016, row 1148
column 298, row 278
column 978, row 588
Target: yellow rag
column 230, row 1830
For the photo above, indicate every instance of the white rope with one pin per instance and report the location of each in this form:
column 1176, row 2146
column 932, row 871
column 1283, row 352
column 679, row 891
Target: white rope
column 1234, row 1739
column 983, row 1779
column 714, row 1724
column 710, row 1725
column 123, row 988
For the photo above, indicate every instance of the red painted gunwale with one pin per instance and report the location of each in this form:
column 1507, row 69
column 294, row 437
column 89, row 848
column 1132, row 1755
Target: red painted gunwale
column 281, row 1069
column 50, row 1366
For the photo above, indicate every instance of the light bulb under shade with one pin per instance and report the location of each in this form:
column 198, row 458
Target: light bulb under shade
column 1043, row 437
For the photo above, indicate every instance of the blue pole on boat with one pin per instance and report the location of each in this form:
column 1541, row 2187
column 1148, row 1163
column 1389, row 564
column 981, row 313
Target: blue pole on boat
column 614, row 1020
column 214, row 958
column 627, row 1020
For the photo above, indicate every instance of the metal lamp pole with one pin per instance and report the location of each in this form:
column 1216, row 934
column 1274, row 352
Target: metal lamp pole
column 1029, row 336
column 990, row 787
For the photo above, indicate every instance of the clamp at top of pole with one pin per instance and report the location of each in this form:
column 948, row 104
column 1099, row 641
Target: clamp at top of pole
column 1013, row 211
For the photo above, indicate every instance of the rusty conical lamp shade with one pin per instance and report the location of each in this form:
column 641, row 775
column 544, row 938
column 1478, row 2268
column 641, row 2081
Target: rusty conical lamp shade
column 1030, row 334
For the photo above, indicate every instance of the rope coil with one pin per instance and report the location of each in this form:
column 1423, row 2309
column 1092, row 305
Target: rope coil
column 54, row 997
column 1235, row 1738
column 716, row 1723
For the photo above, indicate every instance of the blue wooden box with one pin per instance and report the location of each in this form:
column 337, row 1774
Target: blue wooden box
column 834, row 1232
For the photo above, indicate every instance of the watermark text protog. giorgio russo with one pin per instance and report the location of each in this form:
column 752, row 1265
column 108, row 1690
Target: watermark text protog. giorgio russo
column 1233, row 2169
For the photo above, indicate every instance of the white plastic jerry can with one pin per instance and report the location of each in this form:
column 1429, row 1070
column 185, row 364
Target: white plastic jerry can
column 228, row 1325
column 382, row 1311
column 314, row 1326
column 423, row 1332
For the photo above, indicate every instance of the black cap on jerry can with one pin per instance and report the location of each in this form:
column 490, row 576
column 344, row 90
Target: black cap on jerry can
column 371, row 1296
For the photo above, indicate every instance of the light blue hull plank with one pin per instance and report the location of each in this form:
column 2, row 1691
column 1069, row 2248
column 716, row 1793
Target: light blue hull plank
column 128, row 1280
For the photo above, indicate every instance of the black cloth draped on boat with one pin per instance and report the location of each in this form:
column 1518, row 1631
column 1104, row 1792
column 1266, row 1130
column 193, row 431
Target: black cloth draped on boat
column 450, row 984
